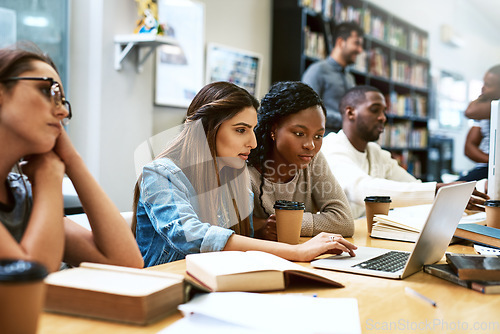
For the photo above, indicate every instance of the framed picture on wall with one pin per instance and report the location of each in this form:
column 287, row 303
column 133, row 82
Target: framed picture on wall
column 234, row 65
column 179, row 68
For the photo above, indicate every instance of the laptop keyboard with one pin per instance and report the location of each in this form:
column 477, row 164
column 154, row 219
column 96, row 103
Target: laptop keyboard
column 389, row 262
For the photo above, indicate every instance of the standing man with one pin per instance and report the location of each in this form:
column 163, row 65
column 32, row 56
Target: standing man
column 329, row 77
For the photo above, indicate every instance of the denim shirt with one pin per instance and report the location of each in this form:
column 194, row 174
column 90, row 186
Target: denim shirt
column 168, row 227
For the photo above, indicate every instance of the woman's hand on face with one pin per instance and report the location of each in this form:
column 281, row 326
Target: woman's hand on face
column 324, row 243
column 47, row 166
column 64, row 148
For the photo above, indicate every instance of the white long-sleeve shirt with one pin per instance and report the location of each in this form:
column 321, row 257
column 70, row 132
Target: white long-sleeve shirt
column 372, row 173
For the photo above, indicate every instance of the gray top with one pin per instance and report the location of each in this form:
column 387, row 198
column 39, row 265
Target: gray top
column 330, row 80
column 326, row 205
column 484, row 125
column 15, row 218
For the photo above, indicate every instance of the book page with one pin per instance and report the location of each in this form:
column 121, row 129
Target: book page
column 114, row 282
column 413, row 217
column 410, row 217
column 286, row 313
column 198, row 323
column 234, row 262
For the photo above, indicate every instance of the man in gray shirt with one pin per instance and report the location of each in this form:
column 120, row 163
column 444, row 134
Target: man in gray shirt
column 329, row 77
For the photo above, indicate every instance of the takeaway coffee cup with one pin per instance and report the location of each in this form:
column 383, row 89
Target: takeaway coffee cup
column 375, row 205
column 492, row 208
column 289, row 220
column 22, row 294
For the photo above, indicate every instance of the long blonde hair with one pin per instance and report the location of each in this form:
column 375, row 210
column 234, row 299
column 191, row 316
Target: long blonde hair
column 194, row 152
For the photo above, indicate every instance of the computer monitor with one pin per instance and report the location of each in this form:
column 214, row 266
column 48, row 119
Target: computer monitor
column 494, row 155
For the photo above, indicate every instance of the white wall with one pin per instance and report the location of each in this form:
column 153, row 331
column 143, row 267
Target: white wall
column 242, row 24
column 114, row 110
column 481, row 50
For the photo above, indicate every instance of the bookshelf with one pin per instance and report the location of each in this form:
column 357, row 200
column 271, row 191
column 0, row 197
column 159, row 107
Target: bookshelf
column 394, row 60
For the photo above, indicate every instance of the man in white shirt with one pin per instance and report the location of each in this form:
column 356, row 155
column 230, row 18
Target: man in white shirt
column 362, row 167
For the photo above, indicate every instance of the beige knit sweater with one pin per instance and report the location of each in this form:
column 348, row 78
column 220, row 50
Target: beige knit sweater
column 327, row 208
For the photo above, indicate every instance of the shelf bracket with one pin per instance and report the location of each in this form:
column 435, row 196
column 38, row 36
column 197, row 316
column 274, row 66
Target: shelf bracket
column 121, row 54
column 124, row 44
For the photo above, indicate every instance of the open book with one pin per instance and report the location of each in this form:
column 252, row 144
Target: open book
column 115, row 293
column 248, row 271
column 405, row 224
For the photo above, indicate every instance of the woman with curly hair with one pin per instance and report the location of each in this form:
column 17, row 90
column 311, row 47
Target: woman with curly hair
column 287, row 164
column 195, row 196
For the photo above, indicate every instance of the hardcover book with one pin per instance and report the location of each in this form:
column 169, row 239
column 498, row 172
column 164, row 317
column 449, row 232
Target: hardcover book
column 444, row 271
column 485, row 235
column 248, row 271
column 114, row 293
column 475, row 267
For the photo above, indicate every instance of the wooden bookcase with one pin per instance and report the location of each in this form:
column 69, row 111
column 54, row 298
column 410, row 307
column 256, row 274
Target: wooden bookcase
column 395, row 61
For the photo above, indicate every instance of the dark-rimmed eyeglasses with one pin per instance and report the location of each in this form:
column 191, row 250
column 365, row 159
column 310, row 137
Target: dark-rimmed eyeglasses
column 55, row 94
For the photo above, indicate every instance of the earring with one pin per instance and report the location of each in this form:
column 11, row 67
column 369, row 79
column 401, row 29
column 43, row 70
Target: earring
column 272, row 136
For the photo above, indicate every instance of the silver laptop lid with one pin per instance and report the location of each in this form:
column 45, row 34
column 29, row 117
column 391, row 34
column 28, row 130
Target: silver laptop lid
column 443, row 219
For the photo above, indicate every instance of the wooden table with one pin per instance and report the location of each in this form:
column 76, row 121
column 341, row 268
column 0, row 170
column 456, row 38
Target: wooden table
column 383, row 304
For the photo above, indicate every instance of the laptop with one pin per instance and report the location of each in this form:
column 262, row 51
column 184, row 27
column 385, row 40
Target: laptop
column 441, row 223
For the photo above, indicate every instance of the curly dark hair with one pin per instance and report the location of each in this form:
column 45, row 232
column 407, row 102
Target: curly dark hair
column 283, row 99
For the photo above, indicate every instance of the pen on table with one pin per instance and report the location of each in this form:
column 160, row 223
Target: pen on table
column 410, row 291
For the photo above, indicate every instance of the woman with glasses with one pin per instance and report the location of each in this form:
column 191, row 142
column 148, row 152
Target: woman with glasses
column 35, row 153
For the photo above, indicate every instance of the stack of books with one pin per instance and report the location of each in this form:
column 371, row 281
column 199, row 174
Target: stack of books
column 476, row 272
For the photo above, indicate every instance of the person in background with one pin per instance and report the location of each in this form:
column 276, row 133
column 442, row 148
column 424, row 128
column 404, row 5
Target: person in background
column 363, row 168
column 287, row 163
column 330, row 78
column 195, row 196
column 38, row 149
column 477, row 143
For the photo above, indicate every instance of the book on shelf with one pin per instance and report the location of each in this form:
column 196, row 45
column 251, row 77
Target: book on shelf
column 249, row 271
column 378, row 63
column 444, row 271
column 115, row 293
column 405, row 224
column 475, row 266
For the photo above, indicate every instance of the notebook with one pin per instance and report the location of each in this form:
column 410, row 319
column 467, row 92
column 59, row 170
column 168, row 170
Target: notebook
column 441, row 223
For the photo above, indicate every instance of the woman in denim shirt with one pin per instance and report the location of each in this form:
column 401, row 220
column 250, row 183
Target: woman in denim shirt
column 195, row 196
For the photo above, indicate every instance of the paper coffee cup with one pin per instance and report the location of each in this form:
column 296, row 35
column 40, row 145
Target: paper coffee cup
column 289, row 221
column 375, row 205
column 22, row 294
column 492, row 208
